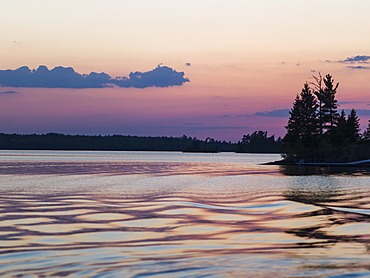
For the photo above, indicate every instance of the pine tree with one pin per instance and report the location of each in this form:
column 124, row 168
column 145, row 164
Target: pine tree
column 340, row 130
column 352, row 127
column 366, row 134
column 293, row 127
column 342, row 121
column 302, row 124
column 329, row 112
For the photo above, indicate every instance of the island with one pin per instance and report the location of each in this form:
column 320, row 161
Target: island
column 317, row 134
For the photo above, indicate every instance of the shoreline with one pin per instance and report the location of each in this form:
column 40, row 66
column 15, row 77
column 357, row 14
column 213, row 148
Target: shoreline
column 360, row 163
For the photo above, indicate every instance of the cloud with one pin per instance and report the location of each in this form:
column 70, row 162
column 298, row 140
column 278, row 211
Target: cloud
column 193, row 124
column 67, row 77
column 356, row 59
column 360, row 112
column 358, row 67
column 282, row 113
column 224, row 116
column 350, row 102
column 200, row 126
column 217, row 127
column 188, row 64
column 9, row 92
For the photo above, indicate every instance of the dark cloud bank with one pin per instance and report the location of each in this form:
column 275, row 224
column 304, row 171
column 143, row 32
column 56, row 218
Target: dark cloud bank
column 355, row 62
column 8, row 92
column 356, row 59
column 358, row 67
column 281, row 113
column 284, row 113
column 67, row 77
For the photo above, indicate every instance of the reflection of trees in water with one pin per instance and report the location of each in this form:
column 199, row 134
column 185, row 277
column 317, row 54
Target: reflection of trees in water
column 323, row 190
column 326, row 238
column 324, row 193
column 295, row 170
column 121, row 230
column 127, row 168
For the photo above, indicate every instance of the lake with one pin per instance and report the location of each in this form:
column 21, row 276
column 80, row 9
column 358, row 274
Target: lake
column 172, row 214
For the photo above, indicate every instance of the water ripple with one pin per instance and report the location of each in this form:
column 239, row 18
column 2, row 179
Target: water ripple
column 181, row 223
column 167, row 236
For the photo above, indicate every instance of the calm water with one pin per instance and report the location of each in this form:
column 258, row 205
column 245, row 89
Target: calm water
column 152, row 214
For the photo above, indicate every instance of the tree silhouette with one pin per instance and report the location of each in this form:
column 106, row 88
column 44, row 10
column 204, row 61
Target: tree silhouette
column 318, row 90
column 317, row 132
column 258, row 142
column 366, row 134
column 346, row 130
column 340, row 132
column 352, row 127
column 56, row 141
column 303, row 124
column 329, row 107
column 325, row 90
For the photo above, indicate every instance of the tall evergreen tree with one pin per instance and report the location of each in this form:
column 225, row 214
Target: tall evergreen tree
column 352, row 127
column 342, row 121
column 366, row 134
column 293, row 127
column 339, row 133
column 302, row 124
column 329, row 114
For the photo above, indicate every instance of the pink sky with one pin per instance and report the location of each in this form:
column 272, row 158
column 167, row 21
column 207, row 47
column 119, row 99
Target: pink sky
column 241, row 57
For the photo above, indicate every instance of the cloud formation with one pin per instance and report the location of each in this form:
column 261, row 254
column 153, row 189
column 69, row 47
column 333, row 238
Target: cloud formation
column 67, row 77
column 8, row 92
column 356, row 62
column 193, row 124
column 350, row 102
column 360, row 112
column 356, row 59
column 284, row 113
column 217, row 127
column 358, row 67
column 281, row 113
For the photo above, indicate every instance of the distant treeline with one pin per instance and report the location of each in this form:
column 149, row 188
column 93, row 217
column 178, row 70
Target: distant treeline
column 256, row 142
column 259, row 142
column 56, row 141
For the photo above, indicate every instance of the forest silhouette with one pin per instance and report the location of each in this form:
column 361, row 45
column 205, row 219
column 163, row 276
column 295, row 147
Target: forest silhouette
column 317, row 132
column 256, row 142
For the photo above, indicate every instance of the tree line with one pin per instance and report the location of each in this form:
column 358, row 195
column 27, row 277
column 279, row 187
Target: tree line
column 316, row 131
column 57, row 141
column 257, row 142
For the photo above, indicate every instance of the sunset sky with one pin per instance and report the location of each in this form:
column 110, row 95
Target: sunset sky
column 245, row 62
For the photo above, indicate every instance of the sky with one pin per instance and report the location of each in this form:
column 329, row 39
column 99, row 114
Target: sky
column 203, row 68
